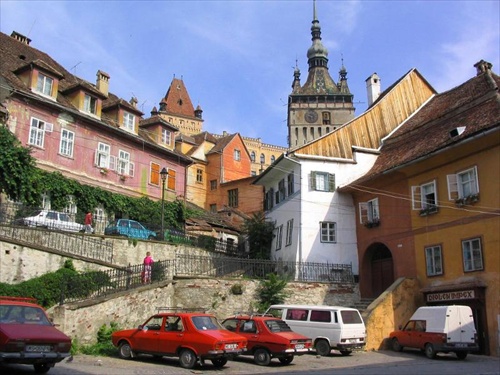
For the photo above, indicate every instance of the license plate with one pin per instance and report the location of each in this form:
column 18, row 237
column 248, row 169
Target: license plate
column 352, row 341
column 461, row 345
column 299, row 346
column 231, row 346
column 38, row 348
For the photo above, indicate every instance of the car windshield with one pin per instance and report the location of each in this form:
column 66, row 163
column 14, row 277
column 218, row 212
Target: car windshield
column 277, row 326
column 63, row 217
column 15, row 314
column 205, row 323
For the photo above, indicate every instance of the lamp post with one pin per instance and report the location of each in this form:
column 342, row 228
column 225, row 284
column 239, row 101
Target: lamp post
column 163, row 175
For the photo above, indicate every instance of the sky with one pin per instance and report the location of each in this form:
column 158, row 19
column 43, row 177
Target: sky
column 236, row 57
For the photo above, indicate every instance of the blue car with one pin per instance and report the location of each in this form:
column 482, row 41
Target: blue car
column 129, row 228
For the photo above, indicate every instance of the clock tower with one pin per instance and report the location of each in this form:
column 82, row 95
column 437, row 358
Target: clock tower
column 320, row 105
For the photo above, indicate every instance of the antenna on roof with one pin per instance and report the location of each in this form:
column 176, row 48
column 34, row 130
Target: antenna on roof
column 31, row 28
column 74, row 67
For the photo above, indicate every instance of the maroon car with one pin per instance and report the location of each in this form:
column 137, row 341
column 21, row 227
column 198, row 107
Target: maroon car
column 28, row 337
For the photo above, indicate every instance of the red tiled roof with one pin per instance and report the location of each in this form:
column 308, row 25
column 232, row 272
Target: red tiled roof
column 177, row 99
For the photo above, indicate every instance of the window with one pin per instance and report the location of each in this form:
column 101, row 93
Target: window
column 463, row 184
column 37, row 132
column 279, row 235
column 433, row 260
column 125, row 166
column 269, row 199
column 473, row 256
column 166, row 137
column 328, row 232
column 67, row 142
column 281, row 191
column 296, row 314
column 273, row 159
column 369, row 212
column 171, row 179
column 424, row 196
column 262, row 159
column 213, row 208
column 213, row 184
column 90, row 104
column 154, row 174
column 322, row 181
column 103, row 159
column 289, row 232
column 290, row 182
column 252, row 156
column 232, row 197
column 129, row 121
column 199, row 176
column 326, row 118
column 44, row 84
column 321, row 316
column 237, row 155
column 253, row 173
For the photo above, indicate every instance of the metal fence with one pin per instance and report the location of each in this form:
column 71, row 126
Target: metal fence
column 101, row 283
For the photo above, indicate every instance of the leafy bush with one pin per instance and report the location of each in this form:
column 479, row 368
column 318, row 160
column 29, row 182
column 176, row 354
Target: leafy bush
column 103, row 346
column 271, row 292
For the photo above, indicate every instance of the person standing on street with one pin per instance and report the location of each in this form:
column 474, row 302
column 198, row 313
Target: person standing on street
column 88, row 222
column 148, row 266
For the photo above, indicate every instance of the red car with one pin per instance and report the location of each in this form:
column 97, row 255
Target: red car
column 268, row 337
column 191, row 336
column 28, row 337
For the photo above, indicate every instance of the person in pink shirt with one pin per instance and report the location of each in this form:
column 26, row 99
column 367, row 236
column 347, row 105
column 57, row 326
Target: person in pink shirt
column 148, row 265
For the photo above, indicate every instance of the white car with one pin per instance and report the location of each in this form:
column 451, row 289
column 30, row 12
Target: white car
column 53, row 220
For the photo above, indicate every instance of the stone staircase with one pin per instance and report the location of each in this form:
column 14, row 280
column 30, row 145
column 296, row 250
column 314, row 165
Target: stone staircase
column 363, row 304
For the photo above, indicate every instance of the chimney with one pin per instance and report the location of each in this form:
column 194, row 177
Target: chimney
column 133, row 101
column 20, row 38
column 482, row 67
column 372, row 88
column 102, row 82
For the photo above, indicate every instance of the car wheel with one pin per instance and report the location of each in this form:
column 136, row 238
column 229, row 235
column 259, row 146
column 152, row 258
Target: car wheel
column 323, row 348
column 219, row 362
column 461, row 355
column 396, row 346
column 346, row 352
column 41, row 368
column 125, row 350
column 262, row 357
column 187, row 358
column 430, row 352
column 286, row 360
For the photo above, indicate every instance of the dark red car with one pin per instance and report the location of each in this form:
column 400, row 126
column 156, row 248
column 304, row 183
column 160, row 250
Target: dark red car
column 191, row 336
column 268, row 337
column 28, row 337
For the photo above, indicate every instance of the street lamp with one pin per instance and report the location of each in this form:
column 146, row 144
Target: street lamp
column 163, row 175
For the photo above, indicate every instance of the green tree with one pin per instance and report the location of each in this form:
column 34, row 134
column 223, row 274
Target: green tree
column 271, row 292
column 18, row 172
column 260, row 235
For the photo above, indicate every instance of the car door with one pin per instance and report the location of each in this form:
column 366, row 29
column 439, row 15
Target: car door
column 407, row 336
column 136, row 230
column 248, row 329
column 148, row 338
column 171, row 336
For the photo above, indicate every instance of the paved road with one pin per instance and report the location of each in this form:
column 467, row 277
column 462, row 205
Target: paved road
column 367, row 363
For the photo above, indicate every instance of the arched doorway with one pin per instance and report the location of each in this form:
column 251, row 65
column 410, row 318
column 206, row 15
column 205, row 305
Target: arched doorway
column 381, row 266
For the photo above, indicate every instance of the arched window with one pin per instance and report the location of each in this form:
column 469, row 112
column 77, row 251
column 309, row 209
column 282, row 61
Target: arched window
column 326, row 118
column 252, row 156
column 272, row 159
column 262, row 159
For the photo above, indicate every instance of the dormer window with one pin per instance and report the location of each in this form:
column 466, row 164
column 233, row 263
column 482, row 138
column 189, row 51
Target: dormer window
column 44, row 85
column 90, row 104
column 166, row 137
column 129, row 121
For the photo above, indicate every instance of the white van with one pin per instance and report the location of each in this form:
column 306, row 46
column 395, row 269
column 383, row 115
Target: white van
column 435, row 329
column 330, row 327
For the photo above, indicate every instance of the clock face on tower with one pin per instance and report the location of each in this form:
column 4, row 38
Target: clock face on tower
column 311, row 116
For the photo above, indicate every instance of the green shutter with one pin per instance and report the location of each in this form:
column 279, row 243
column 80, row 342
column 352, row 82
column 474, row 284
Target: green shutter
column 331, row 182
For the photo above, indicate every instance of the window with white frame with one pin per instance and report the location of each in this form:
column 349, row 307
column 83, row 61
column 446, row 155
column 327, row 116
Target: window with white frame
column 369, row 212
column 129, row 121
column 125, row 166
column 90, row 104
column 199, row 176
column 237, row 154
column 273, row 159
column 262, row 159
column 289, row 232
column 71, row 207
column 322, row 181
column 103, row 159
column 44, row 84
column 252, row 156
column 472, row 255
column 433, row 260
column 37, row 132
column 328, row 231
column 424, row 197
column 463, row 184
column 166, row 137
column 279, row 236
column 67, row 143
